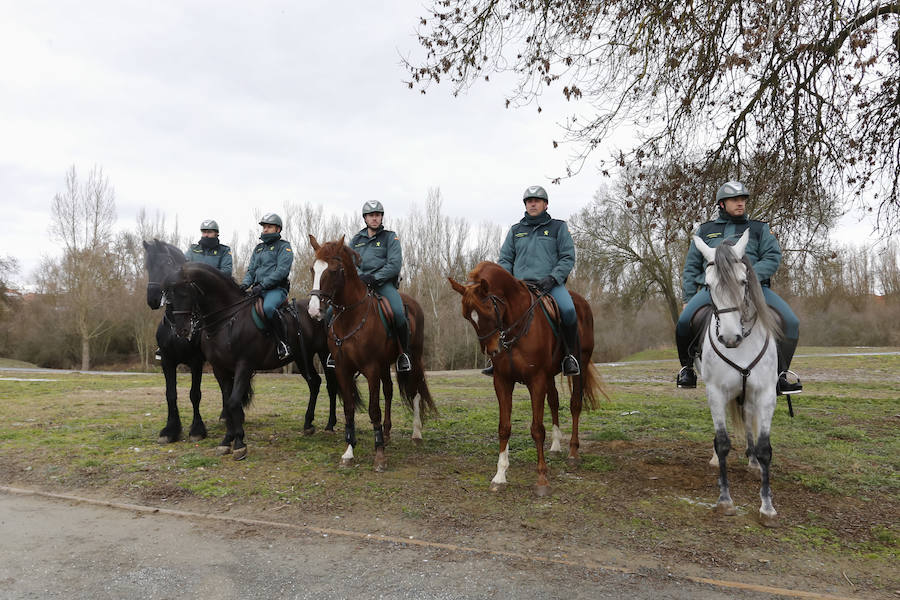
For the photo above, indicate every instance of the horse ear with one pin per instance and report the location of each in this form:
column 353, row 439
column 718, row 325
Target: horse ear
column 708, row 253
column 341, row 241
column 456, row 285
column 146, row 245
column 741, row 245
column 485, row 287
column 314, row 243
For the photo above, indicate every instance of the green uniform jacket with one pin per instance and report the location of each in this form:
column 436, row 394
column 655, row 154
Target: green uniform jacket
column 218, row 257
column 763, row 250
column 270, row 265
column 536, row 251
column 381, row 255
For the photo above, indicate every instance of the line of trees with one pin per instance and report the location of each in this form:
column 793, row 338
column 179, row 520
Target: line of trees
column 89, row 306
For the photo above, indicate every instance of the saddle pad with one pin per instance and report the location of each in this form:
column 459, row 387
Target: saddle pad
column 259, row 316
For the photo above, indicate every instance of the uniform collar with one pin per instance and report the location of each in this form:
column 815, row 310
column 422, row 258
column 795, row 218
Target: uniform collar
column 724, row 217
column 540, row 219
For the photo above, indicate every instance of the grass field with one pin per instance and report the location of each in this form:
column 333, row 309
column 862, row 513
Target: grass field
column 641, row 494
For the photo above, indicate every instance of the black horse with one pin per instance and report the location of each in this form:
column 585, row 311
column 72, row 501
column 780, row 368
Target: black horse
column 236, row 348
column 161, row 260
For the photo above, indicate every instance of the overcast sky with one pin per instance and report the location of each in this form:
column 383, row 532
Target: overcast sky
column 227, row 109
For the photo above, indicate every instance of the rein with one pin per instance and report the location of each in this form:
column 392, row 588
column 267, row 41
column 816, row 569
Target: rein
column 339, row 341
column 507, row 339
column 718, row 311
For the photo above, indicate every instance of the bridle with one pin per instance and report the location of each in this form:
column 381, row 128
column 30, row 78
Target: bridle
column 507, row 337
column 738, row 309
column 327, row 298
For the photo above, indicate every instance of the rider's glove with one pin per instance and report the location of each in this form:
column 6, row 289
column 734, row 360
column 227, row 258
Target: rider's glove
column 256, row 290
column 547, row 283
column 367, row 279
column 243, row 287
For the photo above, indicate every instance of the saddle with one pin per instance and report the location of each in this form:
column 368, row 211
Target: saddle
column 259, row 316
column 550, row 309
column 385, row 312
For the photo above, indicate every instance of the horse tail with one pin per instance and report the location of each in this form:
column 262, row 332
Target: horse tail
column 248, row 397
column 591, row 386
column 413, row 383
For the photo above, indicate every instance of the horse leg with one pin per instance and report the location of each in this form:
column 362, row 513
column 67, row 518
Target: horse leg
column 538, row 391
column 172, row 431
column 348, row 398
column 723, row 445
column 198, row 427
column 332, row 387
column 575, row 405
column 504, row 390
column 226, row 383
column 763, row 453
column 236, row 410
column 315, row 383
column 374, row 380
column 553, row 403
column 388, row 386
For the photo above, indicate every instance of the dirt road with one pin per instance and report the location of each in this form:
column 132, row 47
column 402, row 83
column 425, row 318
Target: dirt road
column 62, row 549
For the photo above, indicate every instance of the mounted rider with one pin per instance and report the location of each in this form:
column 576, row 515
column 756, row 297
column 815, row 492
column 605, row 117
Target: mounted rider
column 268, row 275
column 209, row 250
column 540, row 250
column 764, row 254
column 381, row 259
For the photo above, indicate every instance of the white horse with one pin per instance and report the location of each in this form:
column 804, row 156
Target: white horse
column 739, row 364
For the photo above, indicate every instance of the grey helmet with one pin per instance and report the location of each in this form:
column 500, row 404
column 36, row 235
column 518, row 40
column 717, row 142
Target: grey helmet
column 209, row 224
column 372, row 206
column 271, row 219
column 535, row 191
column 731, row 189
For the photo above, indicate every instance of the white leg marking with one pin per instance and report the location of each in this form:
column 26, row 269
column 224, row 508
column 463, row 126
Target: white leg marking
column 349, row 453
column 557, row 438
column 417, row 419
column 502, row 466
column 314, row 306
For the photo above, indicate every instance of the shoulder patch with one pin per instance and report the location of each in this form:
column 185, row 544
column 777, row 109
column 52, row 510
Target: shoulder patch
column 523, row 234
column 712, row 235
column 288, row 249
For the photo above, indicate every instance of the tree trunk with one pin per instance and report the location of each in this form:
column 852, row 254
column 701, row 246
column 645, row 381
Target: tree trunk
column 85, row 353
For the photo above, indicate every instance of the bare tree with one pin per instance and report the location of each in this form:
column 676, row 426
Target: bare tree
column 83, row 216
column 812, row 84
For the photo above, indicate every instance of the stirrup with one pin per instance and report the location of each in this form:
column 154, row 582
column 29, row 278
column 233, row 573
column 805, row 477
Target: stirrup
column 788, row 388
column 158, row 354
column 282, row 350
column 488, row 370
column 403, row 363
column 570, row 372
column 329, row 361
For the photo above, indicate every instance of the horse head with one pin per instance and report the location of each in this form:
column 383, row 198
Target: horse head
column 730, row 277
column 160, row 260
column 334, row 275
column 482, row 308
column 180, row 295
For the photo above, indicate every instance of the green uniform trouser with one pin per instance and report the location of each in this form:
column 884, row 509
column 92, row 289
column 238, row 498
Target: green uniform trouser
column 393, row 296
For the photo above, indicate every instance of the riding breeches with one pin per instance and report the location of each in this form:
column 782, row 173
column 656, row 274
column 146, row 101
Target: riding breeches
column 566, row 307
column 272, row 299
column 393, row 296
column 702, row 298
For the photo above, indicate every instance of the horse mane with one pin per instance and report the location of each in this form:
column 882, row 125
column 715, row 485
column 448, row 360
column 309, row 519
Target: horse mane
column 725, row 261
column 496, row 275
column 190, row 268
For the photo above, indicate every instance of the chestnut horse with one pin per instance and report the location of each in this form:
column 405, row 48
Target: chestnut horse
column 359, row 343
column 515, row 333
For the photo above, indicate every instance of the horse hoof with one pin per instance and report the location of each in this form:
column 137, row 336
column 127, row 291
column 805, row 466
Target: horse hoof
column 573, row 462
column 768, row 520
column 223, row 450
column 309, row 430
column 330, row 430
column 417, row 441
column 197, row 437
column 346, row 462
column 727, row 510
column 241, row 453
column 542, row 491
column 380, row 467
column 497, row 487
column 164, row 439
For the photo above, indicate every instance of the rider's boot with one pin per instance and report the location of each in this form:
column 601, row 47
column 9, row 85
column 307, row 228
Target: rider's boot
column 686, row 376
column 403, row 363
column 786, row 350
column 488, row 370
column 570, row 364
column 279, row 328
